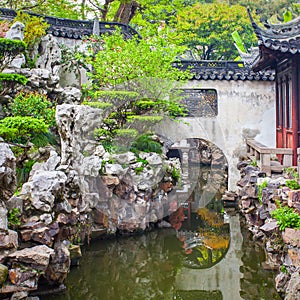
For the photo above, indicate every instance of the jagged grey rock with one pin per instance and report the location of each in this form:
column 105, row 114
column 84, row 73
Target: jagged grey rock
column 36, row 257
column 8, row 240
column 59, row 265
column 3, row 216
column 293, row 288
column 8, row 181
column 43, row 189
column 49, row 54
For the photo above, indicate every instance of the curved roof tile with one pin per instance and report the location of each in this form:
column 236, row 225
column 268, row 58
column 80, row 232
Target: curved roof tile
column 223, row 70
column 74, row 29
column 279, row 37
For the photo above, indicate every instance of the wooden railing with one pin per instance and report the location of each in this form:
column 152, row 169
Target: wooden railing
column 263, row 156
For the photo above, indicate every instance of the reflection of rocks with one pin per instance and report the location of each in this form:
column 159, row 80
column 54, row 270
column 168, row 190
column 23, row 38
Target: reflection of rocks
column 203, row 165
column 143, row 267
column 253, row 276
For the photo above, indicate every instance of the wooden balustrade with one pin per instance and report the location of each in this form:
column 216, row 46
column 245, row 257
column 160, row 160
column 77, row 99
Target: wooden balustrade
column 264, row 155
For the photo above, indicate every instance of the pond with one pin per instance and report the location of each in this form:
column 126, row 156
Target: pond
column 169, row 264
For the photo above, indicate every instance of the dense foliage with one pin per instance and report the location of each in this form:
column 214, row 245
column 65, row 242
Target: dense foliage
column 29, row 116
column 9, row 49
column 9, row 81
column 207, row 28
column 286, row 217
column 21, row 129
column 34, row 105
column 135, row 82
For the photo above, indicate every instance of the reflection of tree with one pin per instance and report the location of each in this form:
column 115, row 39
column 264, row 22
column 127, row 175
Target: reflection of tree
column 211, row 218
column 206, row 241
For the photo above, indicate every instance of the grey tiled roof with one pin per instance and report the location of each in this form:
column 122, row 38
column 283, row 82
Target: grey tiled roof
column 74, row 29
column 279, row 37
column 223, row 70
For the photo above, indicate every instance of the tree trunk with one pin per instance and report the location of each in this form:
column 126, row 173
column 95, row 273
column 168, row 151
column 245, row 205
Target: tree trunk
column 126, row 12
column 82, row 9
column 105, row 9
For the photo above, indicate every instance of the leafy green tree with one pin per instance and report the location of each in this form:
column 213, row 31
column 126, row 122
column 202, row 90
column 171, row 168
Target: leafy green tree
column 206, row 29
column 118, row 61
column 9, row 49
column 137, row 78
column 272, row 9
column 58, row 8
column 34, row 105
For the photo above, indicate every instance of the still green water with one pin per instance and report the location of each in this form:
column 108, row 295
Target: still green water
column 160, row 265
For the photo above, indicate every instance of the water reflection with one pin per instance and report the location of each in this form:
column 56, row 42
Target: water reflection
column 139, row 267
column 156, row 266
column 205, row 238
column 257, row 283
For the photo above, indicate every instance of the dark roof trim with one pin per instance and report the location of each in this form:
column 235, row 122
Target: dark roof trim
column 284, row 38
column 74, row 29
column 223, row 70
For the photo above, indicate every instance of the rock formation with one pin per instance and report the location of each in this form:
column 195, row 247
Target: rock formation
column 259, row 196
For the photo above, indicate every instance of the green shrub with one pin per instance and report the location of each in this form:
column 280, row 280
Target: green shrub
column 146, row 143
column 100, row 105
column 286, row 217
column 34, row 105
column 291, row 172
column 15, row 78
column 176, row 174
column 260, row 188
column 139, row 170
column 143, row 161
column 102, row 134
column 23, row 172
column 13, row 218
column 292, row 184
column 253, row 162
column 21, row 129
column 114, row 96
column 9, row 81
column 9, row 49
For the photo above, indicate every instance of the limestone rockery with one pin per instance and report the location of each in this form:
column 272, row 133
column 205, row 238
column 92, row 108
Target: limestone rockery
column 82, row 193
column 258, row 197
